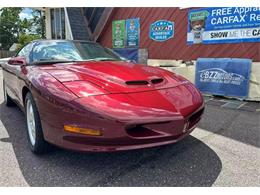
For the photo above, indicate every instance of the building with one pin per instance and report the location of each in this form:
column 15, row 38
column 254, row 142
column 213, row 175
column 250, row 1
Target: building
column 96, row 24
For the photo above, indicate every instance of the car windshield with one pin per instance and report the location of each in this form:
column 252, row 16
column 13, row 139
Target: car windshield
column 70, row 51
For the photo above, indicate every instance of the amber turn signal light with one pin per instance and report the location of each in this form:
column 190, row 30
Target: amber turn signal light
column 80, row 130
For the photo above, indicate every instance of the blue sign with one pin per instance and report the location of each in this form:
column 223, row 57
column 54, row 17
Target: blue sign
column 128, row 53
column 224, row 25
column 223, row 76
column 132, row 32
column 161, row 30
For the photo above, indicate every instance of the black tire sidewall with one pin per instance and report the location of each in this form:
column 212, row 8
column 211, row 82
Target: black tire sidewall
column 40, row 145
column 7, row 100
column 4, row 91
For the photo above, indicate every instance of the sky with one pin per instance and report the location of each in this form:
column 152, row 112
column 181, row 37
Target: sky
column 26, row 13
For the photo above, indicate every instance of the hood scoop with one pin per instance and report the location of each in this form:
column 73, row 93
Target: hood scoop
column 144, row 82
column 157, row 81
column 137, row 82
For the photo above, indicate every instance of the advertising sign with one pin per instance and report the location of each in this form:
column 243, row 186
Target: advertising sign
column 223, row 76
column 132, row 32
column 128, row 53
column 161, row 30
column 118, row 34
column 224, row 25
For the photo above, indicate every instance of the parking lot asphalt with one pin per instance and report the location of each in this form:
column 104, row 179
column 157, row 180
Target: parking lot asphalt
column 223, row 151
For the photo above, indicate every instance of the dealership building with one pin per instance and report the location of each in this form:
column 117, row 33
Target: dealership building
column 174, row 39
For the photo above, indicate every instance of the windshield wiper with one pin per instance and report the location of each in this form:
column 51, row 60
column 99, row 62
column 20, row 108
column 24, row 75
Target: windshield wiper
column 105, row 59
column 47, row 61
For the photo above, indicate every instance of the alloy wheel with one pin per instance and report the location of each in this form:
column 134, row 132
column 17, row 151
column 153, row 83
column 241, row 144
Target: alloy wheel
column 30, row 122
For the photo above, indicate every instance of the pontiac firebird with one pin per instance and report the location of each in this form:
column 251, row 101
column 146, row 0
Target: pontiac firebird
column 81, row 96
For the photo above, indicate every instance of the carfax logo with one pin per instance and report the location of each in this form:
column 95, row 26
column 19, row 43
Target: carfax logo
column 218, row 75
column 161, row 30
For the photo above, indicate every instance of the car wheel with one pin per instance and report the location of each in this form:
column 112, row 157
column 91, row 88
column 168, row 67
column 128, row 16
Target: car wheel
column 34, row 129
column 7, row 100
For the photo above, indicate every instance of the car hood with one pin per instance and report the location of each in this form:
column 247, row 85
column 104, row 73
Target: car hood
column 106, row 77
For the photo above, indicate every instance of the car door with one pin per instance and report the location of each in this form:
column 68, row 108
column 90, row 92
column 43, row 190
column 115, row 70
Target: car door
column 13, row 74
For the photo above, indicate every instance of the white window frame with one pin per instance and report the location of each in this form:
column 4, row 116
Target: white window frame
column 53, row 27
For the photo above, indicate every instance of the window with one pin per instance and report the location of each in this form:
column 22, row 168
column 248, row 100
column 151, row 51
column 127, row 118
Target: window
column 57, row 23
column 71, row 51
column 25, row 52
column 51, row 50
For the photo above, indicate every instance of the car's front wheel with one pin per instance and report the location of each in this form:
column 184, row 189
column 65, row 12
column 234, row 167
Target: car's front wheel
column 34, row 129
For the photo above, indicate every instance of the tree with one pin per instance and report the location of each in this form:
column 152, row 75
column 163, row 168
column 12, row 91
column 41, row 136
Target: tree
column 13, row 29
column 38, row 23
column 24, row 26
column 9, row 26
column 26, row 38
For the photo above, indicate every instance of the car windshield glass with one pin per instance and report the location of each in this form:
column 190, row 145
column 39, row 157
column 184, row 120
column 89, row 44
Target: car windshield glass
column 69, row 51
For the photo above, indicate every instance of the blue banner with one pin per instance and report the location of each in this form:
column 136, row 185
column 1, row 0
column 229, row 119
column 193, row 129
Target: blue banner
column 224, row 25
column 129, row 53
column 223, row 76
column 161, row 30
column 132, row 32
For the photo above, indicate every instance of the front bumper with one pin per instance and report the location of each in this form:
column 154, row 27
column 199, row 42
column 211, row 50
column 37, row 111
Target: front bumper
column 119, row 136
column 82, row 145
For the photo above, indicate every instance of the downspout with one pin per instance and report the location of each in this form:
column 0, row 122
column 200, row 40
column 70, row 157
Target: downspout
column 68, row 22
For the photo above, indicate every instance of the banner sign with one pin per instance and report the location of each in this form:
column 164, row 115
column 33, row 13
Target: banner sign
column 128, row 53
column 223, row 76
column 161, row 30
column 118, row 34
column 132, row 32
column 224, row 25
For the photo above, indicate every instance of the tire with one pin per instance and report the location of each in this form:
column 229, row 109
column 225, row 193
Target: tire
column 34, row 128
column 7, row 99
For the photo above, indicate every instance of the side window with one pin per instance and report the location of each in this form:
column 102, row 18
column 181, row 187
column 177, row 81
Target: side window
column 25, row 52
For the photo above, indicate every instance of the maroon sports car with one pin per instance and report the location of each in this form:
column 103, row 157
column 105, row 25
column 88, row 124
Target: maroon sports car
column 81, row 96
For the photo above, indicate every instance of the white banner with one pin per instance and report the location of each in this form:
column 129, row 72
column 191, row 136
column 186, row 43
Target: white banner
column 245, row 33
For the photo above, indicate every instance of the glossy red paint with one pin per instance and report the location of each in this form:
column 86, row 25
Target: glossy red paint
column 134, row 106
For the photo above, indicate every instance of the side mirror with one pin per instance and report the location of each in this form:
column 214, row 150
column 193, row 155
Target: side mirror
column 20, row 61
